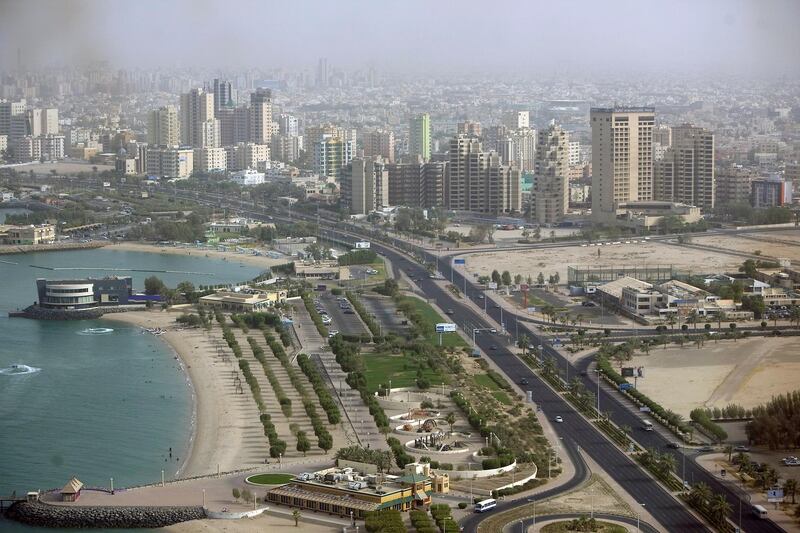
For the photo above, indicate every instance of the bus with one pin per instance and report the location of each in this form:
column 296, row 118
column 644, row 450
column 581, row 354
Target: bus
column 647, row 425
column 485, row 505
column 758, row 511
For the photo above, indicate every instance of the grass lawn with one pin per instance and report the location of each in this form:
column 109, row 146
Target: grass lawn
column 485, row 381
column 602, row 527
column 429, row 315
column 380, row 369
column 502, row 397
column 270, row 479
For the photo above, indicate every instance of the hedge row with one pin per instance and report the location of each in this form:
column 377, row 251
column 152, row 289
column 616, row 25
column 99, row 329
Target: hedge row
column 401, row 458
column 364, row 314
column 277, row 446
column 422, row 522
column 325, row 440
column 443, row 517
column 325, row 399
column 700, row 416
column 284, row 401
column 384, row 521
column 315, row 317
column 349, row 358
column 244, row 366
column 530, row 484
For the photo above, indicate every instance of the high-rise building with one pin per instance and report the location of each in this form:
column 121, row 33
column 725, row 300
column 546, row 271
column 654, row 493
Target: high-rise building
column 261, row 127
column 243, row 156
column 770, row 192
column 693, row 155
column 551, row 169
column 515, row 120
column 574, row 153
column 49, row 121
column 7, row 111
column 733, row 186
column 169, row 162
column 322, row 73
column 163, row 128
column 379, row 143
column 288, row 124
column 469, row 127
column 314, row 134
column 331, row 153
column 210, row 160
column 416, row 184
column 364, row 186
column 286, row 147
column 223, row 96
column 622, row 157
column 197, row 120
column 419, row 137
column 478, row 181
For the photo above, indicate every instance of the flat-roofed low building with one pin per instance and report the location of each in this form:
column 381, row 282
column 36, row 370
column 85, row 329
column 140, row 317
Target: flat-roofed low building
column 243, row 301
column 318, row 270
column 645, row 215
column 345, row 492
column 29, row 234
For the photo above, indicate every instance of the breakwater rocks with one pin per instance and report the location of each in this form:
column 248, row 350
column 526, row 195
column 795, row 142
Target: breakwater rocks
column 41, row 313
column 46, row 515
column 55, row 247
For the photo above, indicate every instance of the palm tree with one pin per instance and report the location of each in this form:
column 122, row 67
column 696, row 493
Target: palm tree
column 720, row 317
column 671, row 320
column 700, row 494
column 729, row 450
column 790, row 488
column 523, row 343
column 451, row 420
column 668, row 463
column 296, row 516
column 719, row 509
column 794, row 315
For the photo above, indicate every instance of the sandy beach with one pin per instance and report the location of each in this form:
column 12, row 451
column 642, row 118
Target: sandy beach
column 223, row 421
column 246, row 259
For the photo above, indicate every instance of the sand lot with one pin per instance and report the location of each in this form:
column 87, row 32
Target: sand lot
column 550, row 261
column 747, row 372
column 778, row 244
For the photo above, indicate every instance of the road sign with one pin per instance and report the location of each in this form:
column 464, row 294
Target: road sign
column 362, row 245
column 627, row 372
column 492, row 285
column 531, row 310
column 445, row 327
column 775, row 495
column 523, row 287
column 458, row 261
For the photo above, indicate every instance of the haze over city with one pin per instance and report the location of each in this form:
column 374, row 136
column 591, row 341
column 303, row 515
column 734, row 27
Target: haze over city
column 400, row 266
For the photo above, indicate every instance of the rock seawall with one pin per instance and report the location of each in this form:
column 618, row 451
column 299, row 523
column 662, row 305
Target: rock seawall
column 46, row 515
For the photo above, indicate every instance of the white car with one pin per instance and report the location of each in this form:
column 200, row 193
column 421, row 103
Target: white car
column 332, row 333
column 493, row 330
column 559, row 419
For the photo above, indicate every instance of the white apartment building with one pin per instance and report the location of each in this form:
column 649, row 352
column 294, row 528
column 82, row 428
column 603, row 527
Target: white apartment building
column 247, row 177
column 166, row 162
column 247, row 155
column 210, row 159
column 197, row 120
column 261, row 127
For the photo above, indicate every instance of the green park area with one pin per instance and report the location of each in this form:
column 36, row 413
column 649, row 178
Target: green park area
column 428, row 318
column 403, row 370
column 270, row 479
column 484, row 380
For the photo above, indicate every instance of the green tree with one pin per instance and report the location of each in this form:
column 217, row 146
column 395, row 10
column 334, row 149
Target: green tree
column 790, row 488
column 700, row 494
column 185, row 287
column 296, row 516
column 719, row 509
column 506, row 278
column 153, row 285
column 540, row 279
column 749, row 268
column 496, row 278
column 451, row 420
column 236, row 494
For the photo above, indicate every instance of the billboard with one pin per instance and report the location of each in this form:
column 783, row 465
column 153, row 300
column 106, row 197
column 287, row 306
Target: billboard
column 362, row 245
column 523, row 287
column 445, row 327
column 775, row 495
column 627, row 372
column 492, row 285
column 458, row 261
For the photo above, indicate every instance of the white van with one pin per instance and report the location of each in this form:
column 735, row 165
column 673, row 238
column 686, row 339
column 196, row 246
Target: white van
column 759, row 511
column 647, row 425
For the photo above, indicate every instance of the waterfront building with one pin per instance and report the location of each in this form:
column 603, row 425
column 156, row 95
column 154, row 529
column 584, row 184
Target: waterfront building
column 85, row 293
column 247, row 301
column 30, row 234
column 622, row 157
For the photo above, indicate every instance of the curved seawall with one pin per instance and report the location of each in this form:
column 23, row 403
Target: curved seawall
column 57, row 516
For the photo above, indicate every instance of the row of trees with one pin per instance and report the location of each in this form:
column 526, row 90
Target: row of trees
column 714, row 507
column 777, row 423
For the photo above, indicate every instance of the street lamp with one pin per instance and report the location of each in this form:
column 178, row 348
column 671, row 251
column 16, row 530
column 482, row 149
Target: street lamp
column 638, row 517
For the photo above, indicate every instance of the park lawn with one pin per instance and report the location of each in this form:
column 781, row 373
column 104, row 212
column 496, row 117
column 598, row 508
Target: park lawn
column 484, row 380
column 270, row 479
column 430, row 316
column 502, row 397
column 380, row 369
column 602, row 527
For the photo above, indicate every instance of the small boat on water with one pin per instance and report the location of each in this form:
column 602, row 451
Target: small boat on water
column 97, row 331
column 154, row 331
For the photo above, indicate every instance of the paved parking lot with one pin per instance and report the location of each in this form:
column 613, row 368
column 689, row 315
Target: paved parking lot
column 344, row 323
column 385, row 312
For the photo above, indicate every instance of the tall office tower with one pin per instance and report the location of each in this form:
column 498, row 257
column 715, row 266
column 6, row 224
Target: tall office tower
column 693, row 155
column 223, row 96
column 34, row 122
column 288, row 124
column 163, row 128
column 379, row 143
column 419, row 136
column 331, row 153
column 493, row 135
column 197, row 108
column 478, row 181
column 261, row 116
column 515, row 120
column 469, row 127
column 524, row 148
column 322, row 73
column 7, row 111
column 551, row 171
column 416, row 184
column 314, row 134
column 622, row 157
column 662, row 140
column 505, row 147
column 364, row 186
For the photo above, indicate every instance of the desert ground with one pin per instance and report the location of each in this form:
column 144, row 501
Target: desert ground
column 747, row 372
column 778, row 244
column 644, row 253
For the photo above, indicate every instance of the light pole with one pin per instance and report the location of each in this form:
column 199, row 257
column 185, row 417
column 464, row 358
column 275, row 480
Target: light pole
column 597, row 370
column 204, row 498
column 112, row 486
column 638, row 512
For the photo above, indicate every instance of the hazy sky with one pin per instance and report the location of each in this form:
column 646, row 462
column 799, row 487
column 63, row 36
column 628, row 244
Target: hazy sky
column 521, row 37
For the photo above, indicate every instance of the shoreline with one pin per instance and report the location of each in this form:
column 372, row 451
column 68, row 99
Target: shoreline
column 247, row 259
column 209, row 444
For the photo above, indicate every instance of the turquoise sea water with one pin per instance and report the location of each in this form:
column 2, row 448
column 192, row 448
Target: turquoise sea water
column 91, row 405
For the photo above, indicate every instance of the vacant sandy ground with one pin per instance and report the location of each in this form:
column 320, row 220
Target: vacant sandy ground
column 784, row 244
column 747, row 372
column 246, row 259
column 550, row 261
